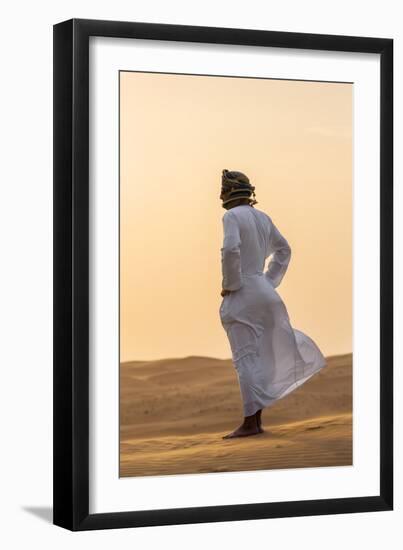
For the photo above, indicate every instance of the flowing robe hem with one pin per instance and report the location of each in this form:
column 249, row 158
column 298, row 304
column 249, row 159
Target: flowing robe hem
column 252, row 407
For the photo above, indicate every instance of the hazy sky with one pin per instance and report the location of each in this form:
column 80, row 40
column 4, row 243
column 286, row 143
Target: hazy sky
column 177, row 132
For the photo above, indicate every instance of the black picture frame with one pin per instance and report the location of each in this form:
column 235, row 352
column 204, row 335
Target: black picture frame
column 71, row 274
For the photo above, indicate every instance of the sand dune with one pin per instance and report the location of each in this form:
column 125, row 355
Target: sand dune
column 174, row 412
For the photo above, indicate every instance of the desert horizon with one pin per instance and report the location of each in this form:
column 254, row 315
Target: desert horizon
column 174, row 411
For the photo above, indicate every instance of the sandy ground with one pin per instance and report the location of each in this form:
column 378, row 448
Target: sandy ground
column 174, row 412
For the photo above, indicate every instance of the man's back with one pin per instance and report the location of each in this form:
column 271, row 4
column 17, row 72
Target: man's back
column 250, row 237
column 254, row 228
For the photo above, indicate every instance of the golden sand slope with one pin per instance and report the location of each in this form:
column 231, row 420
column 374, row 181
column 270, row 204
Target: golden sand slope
column 174, row 412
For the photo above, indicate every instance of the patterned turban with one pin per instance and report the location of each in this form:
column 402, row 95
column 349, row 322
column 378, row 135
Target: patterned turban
column 238, row 186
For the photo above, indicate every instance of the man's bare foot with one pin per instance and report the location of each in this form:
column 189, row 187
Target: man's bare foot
column 258, row 415
column 249, row 427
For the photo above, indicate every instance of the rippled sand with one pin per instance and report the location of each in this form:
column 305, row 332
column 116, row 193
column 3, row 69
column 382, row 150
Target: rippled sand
column 174, row 412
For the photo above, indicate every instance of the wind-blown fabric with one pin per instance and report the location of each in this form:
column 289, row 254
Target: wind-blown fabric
column 270, row 356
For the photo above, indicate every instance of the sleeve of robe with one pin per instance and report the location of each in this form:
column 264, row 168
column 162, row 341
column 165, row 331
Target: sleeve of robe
column 281, row 255
column 230, row 254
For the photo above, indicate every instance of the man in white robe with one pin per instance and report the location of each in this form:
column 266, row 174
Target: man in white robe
column 270, row 356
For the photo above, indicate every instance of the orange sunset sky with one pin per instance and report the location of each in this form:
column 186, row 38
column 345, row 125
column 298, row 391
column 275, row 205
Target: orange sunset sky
column 177, row 132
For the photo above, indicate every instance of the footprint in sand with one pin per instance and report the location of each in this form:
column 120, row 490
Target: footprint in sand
column 313, row 427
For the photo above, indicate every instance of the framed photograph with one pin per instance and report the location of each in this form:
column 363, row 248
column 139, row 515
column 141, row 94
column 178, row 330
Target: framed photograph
column 223, row 274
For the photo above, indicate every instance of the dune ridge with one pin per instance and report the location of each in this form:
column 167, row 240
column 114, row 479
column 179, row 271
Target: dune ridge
column 173, row 413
